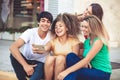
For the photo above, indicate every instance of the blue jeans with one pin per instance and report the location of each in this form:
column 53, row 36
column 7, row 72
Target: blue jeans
column 84, row 73
column 21, row 74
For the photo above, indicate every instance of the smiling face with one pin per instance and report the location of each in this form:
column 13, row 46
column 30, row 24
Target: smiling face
column 85, row 28
column 60, row 28
column 44, row 24
column 88, row 11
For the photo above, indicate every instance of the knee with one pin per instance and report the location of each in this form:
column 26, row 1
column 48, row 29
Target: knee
column 50, row 61
column 70, row 55
column 60, row 59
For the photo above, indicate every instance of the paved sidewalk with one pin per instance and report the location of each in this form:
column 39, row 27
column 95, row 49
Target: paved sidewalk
column 6, row 68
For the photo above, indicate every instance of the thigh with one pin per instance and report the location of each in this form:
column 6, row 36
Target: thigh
column 60, row 63
column 60, row 60
column 38, row 72
column 72, row 59
column 71, row 76
column 92, row 74
column 50, row 60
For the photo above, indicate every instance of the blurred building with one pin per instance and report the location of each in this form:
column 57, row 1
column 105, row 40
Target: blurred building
column 20, row 12
column 23, row 12
column 111, row 17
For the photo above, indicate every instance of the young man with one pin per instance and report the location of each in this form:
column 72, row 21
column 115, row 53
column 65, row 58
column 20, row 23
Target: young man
column 29, row 63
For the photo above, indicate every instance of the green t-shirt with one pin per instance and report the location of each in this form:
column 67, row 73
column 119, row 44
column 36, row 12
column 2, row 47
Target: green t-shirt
column 101, row 60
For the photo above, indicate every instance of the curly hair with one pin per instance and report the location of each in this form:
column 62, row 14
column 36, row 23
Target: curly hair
column 71, row 22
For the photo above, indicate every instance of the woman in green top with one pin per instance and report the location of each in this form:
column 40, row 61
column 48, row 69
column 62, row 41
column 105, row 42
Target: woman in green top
column 95, row 52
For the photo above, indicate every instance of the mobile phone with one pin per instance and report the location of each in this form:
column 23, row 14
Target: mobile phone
column 41, row 47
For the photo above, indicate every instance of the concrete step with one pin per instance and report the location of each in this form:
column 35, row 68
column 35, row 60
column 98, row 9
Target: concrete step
column 7, row 76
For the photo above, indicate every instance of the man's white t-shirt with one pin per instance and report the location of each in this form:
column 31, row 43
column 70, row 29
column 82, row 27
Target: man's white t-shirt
column 30, row 37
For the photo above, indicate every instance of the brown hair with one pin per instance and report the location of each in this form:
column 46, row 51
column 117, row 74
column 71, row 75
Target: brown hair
column 71, row 22
column 97, row 10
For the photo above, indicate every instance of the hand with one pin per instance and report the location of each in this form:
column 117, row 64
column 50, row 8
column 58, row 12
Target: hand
column 88, row 66
column 62, row 75
column 29, row 69
column 37, row 50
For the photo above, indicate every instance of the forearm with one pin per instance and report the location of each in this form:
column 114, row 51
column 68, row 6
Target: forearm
column 17, row 55
column 77, row 66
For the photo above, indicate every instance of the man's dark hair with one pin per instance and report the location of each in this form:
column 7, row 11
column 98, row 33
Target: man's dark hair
column 45, row 14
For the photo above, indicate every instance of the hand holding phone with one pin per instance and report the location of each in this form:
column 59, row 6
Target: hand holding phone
column 40, row 47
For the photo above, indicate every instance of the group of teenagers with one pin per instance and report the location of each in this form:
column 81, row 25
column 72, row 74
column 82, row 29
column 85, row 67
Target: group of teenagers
column 65, row 56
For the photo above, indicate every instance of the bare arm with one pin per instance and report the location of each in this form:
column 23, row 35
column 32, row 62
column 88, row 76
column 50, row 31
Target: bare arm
column 14, row 49
column 81, row 49
column 95, row 49
column 76, row 46
column 47, row 48
column 75, row 49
